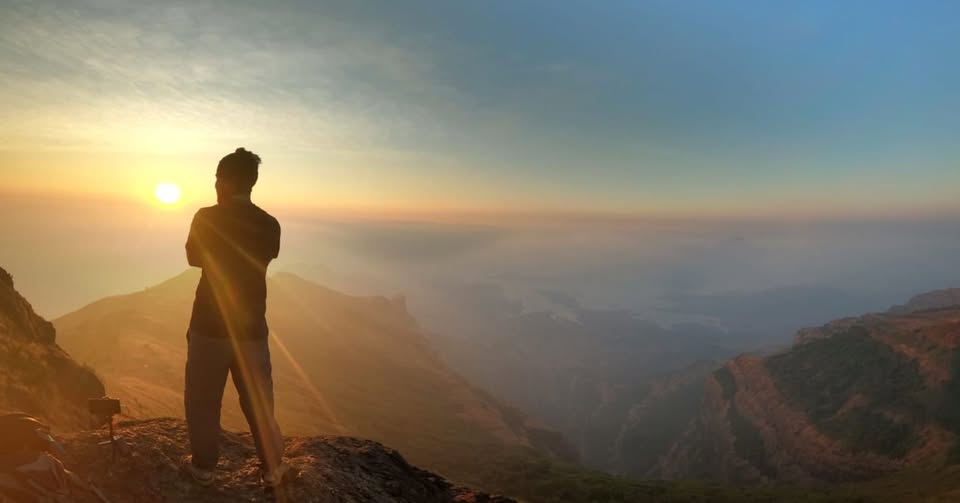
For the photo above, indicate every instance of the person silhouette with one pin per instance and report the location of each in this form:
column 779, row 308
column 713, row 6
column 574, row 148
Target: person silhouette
column 232, row 243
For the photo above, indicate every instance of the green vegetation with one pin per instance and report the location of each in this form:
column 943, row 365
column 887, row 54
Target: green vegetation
column 823, row 376
column 659, row 427
column 534, row 479
column 727, row 382
column 926, row 486
column 868, row 430
column 949, row 411
column 747, row 442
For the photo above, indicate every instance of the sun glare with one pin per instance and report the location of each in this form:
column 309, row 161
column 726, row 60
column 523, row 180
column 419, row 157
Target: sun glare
column 167, row 193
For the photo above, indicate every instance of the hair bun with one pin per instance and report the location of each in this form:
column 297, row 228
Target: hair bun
column 240, row 150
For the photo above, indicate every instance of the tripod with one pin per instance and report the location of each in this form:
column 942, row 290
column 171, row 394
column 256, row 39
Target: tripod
column 105, row 409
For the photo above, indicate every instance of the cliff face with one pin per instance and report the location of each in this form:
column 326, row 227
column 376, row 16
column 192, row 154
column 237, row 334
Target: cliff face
column 648, row 427
column 334, row 469
column 855, row 399
column 36, row 375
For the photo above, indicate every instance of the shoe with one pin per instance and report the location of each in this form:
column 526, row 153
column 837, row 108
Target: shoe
column 280, row 475
column 201, row 476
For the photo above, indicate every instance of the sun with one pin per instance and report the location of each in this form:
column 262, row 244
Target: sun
column 167, row 193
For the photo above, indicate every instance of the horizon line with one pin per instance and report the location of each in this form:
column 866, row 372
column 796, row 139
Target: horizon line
column 494, row 214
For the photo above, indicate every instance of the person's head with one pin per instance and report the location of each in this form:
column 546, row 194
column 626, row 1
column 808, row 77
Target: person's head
column 237, row 173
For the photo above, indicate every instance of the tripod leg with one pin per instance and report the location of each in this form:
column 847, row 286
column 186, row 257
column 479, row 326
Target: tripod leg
column 113, row 441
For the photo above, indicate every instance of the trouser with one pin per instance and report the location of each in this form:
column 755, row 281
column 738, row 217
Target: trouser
column 209, row 359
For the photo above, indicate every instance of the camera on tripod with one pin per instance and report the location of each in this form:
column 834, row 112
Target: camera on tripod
column 104, row 409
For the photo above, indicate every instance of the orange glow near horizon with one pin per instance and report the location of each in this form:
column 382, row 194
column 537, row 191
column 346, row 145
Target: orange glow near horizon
column 286, row 187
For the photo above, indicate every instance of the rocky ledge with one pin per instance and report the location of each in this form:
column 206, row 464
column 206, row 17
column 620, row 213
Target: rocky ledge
column 334, row 469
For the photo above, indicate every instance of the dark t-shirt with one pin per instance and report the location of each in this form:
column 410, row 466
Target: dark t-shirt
column 233, row 243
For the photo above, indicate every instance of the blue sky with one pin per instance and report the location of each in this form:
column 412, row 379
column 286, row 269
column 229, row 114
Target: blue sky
column 651, row 107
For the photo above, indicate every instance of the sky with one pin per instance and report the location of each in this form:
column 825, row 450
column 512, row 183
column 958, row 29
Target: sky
column 617, row 152
column 657, row 108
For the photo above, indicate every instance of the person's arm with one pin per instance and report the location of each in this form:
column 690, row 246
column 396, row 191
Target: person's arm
column 275, row 243
column 193, row 246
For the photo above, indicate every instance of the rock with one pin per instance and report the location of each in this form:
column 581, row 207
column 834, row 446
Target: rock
column 333, row 469
column 38, row 377
column 5, row 278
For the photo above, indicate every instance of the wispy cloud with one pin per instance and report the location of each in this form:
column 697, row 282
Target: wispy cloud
column 621, row 106
column 190, row 75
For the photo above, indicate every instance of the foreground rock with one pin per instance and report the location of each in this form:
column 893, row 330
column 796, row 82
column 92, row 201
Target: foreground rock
column 334, row 469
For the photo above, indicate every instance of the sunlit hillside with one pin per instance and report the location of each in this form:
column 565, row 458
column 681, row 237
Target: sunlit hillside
column 343, row 365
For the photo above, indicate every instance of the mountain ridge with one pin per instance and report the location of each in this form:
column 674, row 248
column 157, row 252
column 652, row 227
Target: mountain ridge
column 937, row 299
column 344, row 365
column 39, row 377
column 855, row 399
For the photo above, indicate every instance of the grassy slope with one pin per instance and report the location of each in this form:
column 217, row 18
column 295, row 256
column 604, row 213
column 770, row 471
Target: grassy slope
column 821, row 376
column 535, row 479
column 343, row 365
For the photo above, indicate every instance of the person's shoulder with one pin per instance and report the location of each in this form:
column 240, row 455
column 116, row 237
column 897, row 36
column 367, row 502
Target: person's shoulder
column 268, row 218
column 205, row 212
